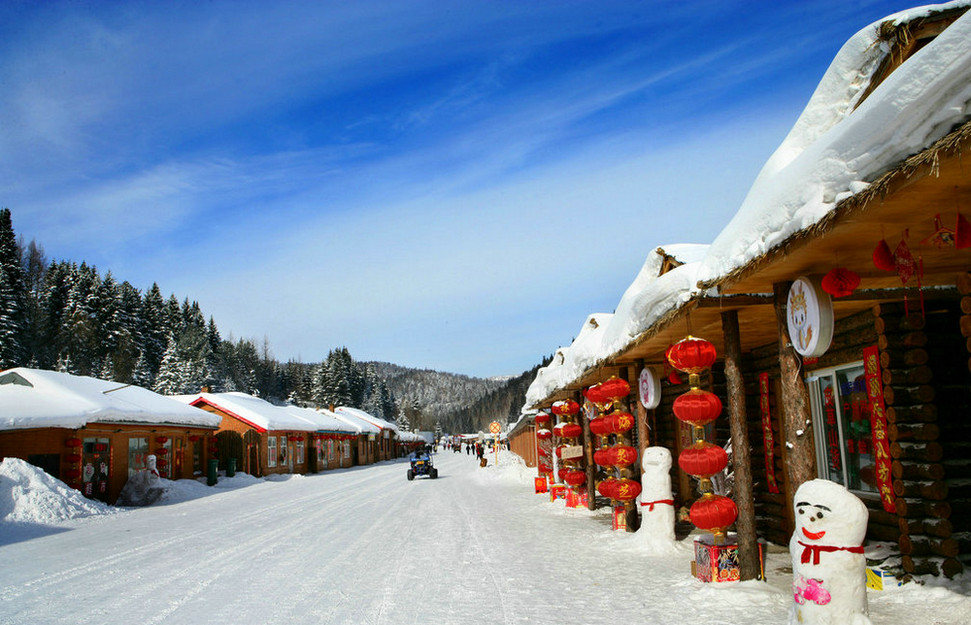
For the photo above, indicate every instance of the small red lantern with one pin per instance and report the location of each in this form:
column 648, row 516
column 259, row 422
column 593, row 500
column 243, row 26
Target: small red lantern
column 697, row 407
column 692, row 355
column 571, row 430
column 620, row 490
column 883, row 257
column 565, row 407
column 544, row 468
column 542, row 418
column 614, row 388
column 561, row 473
column 73, row 458
column 161, row 440
column 606, row 488
column 621, row 421
column 601, row 426
column 840, row 282
column 619, row 456
column 574, row 478
column 73, row 442
column 703, row 459
column 194, row 438
column 543, row 434
column 161, row 451
column 713, row 513
column 595, row 394
column 162, row 462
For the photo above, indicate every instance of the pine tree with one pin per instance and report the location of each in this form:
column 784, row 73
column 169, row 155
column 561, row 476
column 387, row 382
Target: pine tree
column 154, row 332
column 13, row 297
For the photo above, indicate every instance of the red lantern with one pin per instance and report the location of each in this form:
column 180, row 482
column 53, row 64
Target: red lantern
column 161, row 440
column 621, row 422
column 544, row 468
column 73, row 442
column 194, row 438
column 561, row 473
column 840, row 282
column 545, row 453
column 162, row 462
column 606, row 488
column 543, row 434
column 574, row 478
column 619, row 456
column 72, row 474
column 703, row 459
column 883, row 257
column 558, row 429
column 565, row 407
column 542, row 418
column 697, row 407
column 601, row 426
column 595, row 394
column 73, row 458
column 692, row 355
column 571, row 430
column 161, row 451
column 713, row 513
column 620, row 490
column 614, row 388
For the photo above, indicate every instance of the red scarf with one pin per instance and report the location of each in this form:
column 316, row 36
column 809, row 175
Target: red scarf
column 813, row 551
column 670, row 502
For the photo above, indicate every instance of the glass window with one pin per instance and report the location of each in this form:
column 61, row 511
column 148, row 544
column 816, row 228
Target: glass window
column 841, row 420
column 301, row 457
column 137, row 453
column 271, row 451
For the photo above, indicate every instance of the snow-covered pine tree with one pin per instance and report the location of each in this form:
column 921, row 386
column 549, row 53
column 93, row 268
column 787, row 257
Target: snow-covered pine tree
column 13, row 297
column 154, row 334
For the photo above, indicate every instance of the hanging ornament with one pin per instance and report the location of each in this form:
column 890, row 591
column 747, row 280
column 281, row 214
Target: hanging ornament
column 942, row 235
column 840, row 282
column 883, row 257
column 962, row 233
column 904, row 260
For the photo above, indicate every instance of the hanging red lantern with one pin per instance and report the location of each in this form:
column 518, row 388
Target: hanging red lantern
column 73, row 458
column 571, row 430
column 72, row 474
column 840, row 282
column 703, row 459
column 161, row 451
column 544, row 468
column 565, row 407
column 558, row 430
column 620, row 490
column 561, row 473
column 621, row 422
column 162, row 462
column 602, row 457
column 692, row 355
column 574, row 477
column 194, row 438
column 606, row 488
column 73, row 442
column 161, row 440
column 618, row 456
column 713, row 513
column 542, row 418
column 614, row 388
column 697, row 407
column 595, row 394
column 542, row 452
column 543, row 434
column 601, row 426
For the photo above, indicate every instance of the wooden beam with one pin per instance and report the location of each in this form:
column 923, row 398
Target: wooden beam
column 748, row 547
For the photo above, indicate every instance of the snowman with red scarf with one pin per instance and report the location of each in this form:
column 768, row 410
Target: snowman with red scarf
column 656, row 532
column 828, row 566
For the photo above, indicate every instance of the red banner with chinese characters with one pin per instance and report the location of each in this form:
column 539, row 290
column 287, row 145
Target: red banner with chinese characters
column 878, row 426
column 767, row 432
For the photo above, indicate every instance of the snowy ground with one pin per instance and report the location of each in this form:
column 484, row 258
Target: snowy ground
column 364, row 545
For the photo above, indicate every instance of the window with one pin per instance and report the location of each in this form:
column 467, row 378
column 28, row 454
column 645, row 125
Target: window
column 301, row 457
column 271, row 451
column 841, row 420
column 137, row 455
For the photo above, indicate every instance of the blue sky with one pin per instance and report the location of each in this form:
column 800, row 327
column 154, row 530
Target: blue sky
column 450, row 185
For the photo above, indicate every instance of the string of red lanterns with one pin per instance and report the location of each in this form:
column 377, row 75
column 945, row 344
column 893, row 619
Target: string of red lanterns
column 614, row 459
column 697, row 407
column 571, row 470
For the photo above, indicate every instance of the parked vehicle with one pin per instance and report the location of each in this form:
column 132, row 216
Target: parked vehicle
column 421, row 464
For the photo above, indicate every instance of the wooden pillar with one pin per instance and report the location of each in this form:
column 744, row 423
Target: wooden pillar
column 643, row 433
column 797, row 420
column 748, row 548
column 632, row 472
column 591, row 468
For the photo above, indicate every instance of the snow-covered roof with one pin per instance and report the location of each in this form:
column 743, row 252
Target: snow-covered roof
column 363, row 426
column 839, row 145
column 253, row 410
column 34, row 398
column 367, row 417
column 323, row 420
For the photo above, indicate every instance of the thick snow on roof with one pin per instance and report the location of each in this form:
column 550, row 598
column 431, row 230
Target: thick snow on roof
column 834, row 150
column 368, row 417
column 647, row 299
column 324, row 421
column 53, row 399
column 363, row 426
column 259, row 412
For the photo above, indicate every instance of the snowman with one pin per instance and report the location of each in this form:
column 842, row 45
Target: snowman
column 656, row 501
column 828, row 567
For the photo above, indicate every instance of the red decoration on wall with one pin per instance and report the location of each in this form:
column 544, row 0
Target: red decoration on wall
column 878, row 427
column 883, row 257
column 840, row 282
column 767, row 437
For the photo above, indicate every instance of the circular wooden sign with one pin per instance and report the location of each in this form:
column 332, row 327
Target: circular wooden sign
column 809, row 316
column 649, row 388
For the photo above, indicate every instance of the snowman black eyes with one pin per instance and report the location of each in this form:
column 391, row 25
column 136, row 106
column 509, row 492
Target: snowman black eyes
column 819, row 514
column 800, row 511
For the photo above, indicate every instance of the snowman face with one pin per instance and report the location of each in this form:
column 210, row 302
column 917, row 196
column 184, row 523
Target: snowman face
column 656, row 460
column 828, row 513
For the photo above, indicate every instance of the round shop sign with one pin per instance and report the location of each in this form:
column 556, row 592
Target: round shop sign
column 650, row 388
column 809, row 315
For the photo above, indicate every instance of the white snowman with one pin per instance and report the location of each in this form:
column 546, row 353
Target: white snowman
column 828, row 566
column 656, row 500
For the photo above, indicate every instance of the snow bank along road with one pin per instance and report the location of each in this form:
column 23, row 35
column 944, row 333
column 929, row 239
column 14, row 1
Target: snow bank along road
column 364, row 545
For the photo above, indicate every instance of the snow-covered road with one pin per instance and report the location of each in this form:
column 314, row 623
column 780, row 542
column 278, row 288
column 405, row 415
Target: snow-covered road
column 364, row 545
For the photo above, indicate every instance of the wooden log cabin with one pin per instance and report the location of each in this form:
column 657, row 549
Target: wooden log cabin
column 93, row 434
column 883, row 407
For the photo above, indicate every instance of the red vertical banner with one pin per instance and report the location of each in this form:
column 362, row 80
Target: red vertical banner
column 767, row 432
column 878, row 426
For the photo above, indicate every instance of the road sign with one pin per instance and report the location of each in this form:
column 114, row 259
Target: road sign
column 495, row 427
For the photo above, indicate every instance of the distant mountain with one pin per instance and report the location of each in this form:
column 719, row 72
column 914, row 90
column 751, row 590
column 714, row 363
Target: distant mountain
column 459, row 403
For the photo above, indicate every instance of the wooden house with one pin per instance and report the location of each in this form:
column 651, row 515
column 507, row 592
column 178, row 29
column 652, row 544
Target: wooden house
column 94, row 435
column 364, row 450
column 879, row 190
column 383, row 441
